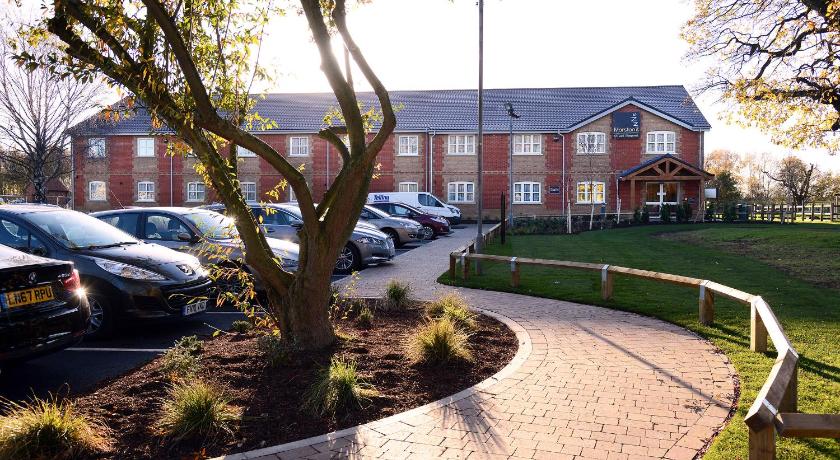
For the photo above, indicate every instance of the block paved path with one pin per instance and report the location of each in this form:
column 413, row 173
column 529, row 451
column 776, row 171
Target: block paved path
column 586, row 383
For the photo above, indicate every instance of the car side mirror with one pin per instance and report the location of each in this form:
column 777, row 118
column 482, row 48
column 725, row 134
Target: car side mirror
column 184, row 236
column 269, row 229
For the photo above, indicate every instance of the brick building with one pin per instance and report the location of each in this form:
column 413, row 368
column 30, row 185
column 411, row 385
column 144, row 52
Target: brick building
column 615, row 147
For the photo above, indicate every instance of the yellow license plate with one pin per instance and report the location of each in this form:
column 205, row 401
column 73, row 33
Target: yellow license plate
column 29, row 296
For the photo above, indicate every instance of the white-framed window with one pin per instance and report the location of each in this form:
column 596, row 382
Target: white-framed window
column 242, row 152
column 661, row 142
column 408, row 145
column 145, row 146
column 96, row 147
column 527, row 193
column 591, row 143
column 461, row 192
column 195, row 191
column 96, row 190
column 145, row 191
column 461, row 144
column 527, row 144
column 299, row 146
column 408, row 187
column 249, row 191
column 591, row 192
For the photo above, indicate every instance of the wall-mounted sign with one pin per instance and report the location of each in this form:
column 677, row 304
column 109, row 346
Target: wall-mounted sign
column 553, row 189
column 626, row 125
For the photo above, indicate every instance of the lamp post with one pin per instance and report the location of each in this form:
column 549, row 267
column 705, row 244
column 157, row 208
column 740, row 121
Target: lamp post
column 479, row 153
column 511, row 116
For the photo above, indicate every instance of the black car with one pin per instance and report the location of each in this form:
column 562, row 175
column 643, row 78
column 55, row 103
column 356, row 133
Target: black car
column 42, row 306
column 125, row 278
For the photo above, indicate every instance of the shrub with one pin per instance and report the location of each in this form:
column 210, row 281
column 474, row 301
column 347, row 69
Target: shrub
column 686, row 210
column 665, row 214
column 277, row 352
column 710, row 212
column 194, row 409
column 452, row 307
column 241, row 326
column 46, row 428
column 637, row 216
column 191, row 344
column 680, row 214
column 365, row 317
column 337, row 389
column 645, row 215
column 396, row 294
column 437, row 342
column 178, row 363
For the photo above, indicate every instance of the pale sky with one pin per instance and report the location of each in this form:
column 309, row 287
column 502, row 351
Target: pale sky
column 433, row 44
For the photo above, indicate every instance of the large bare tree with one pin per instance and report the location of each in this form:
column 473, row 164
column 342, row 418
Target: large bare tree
column 191, row 63
column 37, row 110
column 795, row 177
column 776, row 62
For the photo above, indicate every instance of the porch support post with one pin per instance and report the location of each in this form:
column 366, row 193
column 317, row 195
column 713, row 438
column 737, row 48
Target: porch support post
column 633, row 194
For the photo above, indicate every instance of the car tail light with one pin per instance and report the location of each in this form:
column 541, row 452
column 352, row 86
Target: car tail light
column 73, row 283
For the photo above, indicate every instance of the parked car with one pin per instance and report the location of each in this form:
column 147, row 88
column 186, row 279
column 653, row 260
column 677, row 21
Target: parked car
column 432, row 225
column 424, row 201
column 366, row 246
column 125, row 279
column 44, row 308
column 400, row 230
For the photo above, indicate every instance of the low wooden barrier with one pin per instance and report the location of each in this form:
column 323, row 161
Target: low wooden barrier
column 774, row 410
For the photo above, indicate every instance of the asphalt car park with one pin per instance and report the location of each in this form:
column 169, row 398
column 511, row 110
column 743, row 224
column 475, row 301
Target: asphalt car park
column 79, row 368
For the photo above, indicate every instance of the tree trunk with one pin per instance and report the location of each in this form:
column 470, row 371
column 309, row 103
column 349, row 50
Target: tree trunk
column 306, row 317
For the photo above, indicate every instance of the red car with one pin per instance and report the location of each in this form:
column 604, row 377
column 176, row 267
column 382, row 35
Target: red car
column 432, row 225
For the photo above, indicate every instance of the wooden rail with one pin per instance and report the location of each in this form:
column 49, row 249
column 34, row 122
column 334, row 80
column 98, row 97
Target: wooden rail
column 774, row 409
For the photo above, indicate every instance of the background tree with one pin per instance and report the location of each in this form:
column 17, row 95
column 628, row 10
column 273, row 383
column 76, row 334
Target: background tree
column 795, row 177
column 37, row 109
column 777, row 61
column 757, row 186
column 192, row 65
column 728, row 187
column 826, row 187
column 721, row 160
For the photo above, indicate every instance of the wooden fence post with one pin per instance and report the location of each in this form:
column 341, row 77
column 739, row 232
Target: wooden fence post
column 452, row 263
column 763, row 443
column 789, row 402
column 707, row 305
column 514, row 272
column 606, row 283
column 758, row 333
column 465, row 262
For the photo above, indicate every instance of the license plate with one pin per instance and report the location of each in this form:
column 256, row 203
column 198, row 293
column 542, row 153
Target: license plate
column 194, row 308
column 29, row 296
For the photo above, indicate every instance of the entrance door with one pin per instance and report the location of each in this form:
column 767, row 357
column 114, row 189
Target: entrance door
column 659, row 193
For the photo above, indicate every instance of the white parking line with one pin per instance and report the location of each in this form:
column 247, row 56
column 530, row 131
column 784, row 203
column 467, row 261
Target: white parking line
column 223, row 313
column 138, row 350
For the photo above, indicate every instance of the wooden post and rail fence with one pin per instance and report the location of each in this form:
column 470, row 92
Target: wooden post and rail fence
column 780, row 212
column 774, row 410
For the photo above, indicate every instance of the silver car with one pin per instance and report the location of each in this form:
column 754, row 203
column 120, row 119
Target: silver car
column 400, row 230
column 201, row 232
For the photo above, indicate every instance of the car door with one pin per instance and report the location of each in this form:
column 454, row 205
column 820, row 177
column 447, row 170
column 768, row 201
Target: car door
column 277, row 223
column 15, row 235
column 166, row 230
column 371, row 218
column 125, row 221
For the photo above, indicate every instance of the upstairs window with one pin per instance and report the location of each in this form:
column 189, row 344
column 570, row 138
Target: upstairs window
column 461, row 144
column 249, row 191
column 591, row 143
column 661, row 142
column 145, row 191
column 96, row 147
column 298, row 146
column 408, row 146
column 145, row 146
column 527, row 144
column 96, row 190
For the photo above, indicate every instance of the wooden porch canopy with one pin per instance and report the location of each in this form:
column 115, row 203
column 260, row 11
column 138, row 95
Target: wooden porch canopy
column 663, row 168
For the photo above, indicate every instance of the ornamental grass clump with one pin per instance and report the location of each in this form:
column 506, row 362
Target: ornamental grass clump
column 49, row 429
column 365, row 317
column 438, row 342
column 241, row 326
column 196, row 409
column 452, row 307
column 396, row 295
column 337, row 389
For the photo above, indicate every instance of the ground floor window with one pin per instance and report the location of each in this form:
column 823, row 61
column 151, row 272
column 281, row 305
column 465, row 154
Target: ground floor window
column 249, row 191
column 659, row 193
column 195, row 191
column 527, row 193
column 146, row 191
column 408, row 187
column 461, row 192
column 591, row 192
column 96, row 190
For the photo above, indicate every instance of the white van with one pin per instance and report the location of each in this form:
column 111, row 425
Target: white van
column 423, row 201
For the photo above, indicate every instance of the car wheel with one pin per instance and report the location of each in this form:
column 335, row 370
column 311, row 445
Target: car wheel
column 101, row 318
column 428, row 232
column 348, row 260
column 394, row 236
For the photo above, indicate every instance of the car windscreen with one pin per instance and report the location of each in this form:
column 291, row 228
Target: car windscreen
column 76, row 230
column 380, row 214
column 213, row 225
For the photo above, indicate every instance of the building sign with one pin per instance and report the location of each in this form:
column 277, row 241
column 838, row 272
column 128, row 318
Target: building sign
column 626, row 125
column 553, row 189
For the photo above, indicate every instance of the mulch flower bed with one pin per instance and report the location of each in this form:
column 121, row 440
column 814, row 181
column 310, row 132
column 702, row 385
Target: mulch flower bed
column 271, row 398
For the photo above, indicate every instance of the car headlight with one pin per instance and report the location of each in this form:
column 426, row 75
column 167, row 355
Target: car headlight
column 440, row 220
column 370, row 240
column 128, row 271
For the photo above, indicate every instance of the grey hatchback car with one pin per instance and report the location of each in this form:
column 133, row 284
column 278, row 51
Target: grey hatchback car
column 400, row 230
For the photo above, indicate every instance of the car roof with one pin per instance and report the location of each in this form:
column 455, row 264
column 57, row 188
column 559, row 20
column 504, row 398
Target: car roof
column 169, row 209
column 27, row 208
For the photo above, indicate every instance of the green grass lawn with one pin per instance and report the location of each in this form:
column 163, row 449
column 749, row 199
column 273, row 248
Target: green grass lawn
column 796, row 269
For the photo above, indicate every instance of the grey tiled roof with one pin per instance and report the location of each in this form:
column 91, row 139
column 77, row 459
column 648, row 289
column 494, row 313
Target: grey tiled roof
column 541, row 109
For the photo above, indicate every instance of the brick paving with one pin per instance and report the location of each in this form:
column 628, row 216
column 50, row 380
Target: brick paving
column 586, row 383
